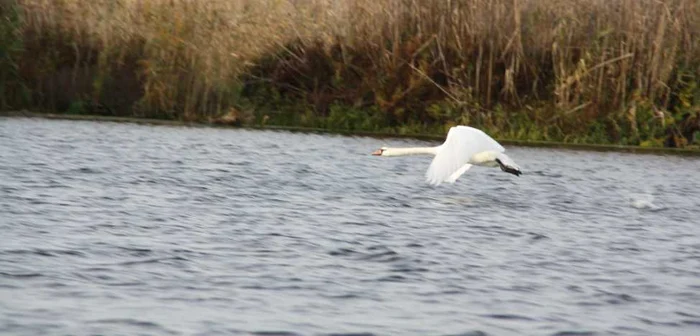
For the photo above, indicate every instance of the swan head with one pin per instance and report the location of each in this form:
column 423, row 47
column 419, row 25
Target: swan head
column 379, row 152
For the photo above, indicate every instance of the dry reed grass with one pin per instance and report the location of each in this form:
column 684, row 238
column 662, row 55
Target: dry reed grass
column 567, row 63
column 185, row 56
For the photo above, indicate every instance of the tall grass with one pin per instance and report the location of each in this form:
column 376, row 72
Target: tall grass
column 168, row 58
column 584, row 70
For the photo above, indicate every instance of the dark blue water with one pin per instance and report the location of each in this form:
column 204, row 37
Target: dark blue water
column 119, row 229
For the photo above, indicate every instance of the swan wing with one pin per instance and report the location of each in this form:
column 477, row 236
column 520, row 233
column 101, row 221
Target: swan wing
column 458, row 173
column 453, row 155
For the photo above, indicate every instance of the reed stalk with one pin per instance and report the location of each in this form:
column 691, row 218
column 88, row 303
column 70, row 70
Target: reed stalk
column 585, row 70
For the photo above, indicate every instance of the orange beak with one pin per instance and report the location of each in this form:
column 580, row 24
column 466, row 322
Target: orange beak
column 377, row 152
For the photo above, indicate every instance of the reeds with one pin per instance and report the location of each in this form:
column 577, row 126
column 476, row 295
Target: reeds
column 182, row 58
column 557, row 69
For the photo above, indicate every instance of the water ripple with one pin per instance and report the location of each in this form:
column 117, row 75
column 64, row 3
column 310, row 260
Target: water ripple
column 130, row 229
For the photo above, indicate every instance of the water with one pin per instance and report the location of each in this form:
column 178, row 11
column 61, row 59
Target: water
column 138, row 230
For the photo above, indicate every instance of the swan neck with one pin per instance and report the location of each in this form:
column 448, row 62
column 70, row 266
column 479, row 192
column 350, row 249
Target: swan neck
column 410, row 151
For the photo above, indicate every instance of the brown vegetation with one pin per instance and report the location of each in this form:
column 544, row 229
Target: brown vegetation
column 586, row 70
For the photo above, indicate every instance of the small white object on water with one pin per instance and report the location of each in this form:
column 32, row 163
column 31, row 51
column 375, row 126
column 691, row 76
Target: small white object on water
column 643, row 201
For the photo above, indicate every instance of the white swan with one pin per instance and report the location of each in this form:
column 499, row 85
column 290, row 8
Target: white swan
column 465, row 146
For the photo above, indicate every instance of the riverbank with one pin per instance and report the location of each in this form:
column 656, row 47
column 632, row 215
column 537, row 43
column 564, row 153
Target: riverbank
column 417, row 136
column 590, row 71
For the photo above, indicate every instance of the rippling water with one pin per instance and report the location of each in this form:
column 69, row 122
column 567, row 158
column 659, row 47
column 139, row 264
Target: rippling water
column 125, row 229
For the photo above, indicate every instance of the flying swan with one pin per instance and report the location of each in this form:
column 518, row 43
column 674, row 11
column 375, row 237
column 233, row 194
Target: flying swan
column 464, row 147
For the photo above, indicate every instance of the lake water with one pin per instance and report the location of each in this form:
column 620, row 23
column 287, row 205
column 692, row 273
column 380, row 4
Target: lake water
column 121, row 229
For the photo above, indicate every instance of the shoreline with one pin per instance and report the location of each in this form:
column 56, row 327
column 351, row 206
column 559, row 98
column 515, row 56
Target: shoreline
column 427, row 137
